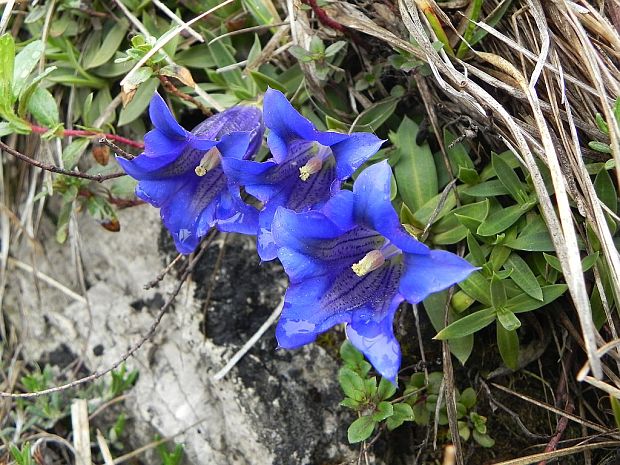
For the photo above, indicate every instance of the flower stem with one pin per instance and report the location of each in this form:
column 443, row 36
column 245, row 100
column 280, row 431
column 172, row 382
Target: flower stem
column 86, row 133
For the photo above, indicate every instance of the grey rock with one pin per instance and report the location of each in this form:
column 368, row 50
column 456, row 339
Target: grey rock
column 275, row 407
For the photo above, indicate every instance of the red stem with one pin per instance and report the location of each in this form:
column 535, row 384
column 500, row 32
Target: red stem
column 323, row 18
column 83, row 133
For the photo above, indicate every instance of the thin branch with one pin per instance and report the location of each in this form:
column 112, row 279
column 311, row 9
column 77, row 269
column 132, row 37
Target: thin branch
column 56, row 169
column 250, row 342
column 172, row 89
column 86, row 133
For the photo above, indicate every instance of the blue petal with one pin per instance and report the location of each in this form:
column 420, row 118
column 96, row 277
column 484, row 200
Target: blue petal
column 352, row 152
column 158, row 192
column 233, row 215
column 191, row 211
column 375, row 339
column 299, row 266
column 287, row 124
column 301, row 320
column 340, row 210
column 235, row 119
column 433, row 272
column 251, row 175
column 374, row 209
column 163, row 119
column 302, row 231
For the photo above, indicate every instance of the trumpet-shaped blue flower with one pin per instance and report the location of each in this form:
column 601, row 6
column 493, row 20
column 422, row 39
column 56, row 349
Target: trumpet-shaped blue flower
column 307, row 167
column 181, row 173
column 352, row 262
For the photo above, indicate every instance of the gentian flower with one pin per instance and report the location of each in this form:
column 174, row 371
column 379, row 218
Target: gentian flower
column 308, row 165
column 352, row 262
column 180, row 172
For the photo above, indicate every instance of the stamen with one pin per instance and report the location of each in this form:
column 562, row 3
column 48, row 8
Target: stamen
column 209, row 161
column 371, row 261
column 312, row 166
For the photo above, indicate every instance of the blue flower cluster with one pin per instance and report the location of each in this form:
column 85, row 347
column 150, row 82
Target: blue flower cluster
column 348, row 258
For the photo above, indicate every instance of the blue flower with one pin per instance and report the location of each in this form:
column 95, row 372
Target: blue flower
column 180, row 172
column 352, row 262
column 307, row 167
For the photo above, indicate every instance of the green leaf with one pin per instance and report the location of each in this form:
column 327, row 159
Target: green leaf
column 473, row 214
column 25, row 62
column 335, row 48
column 139, row 103
column 605, row 190
column 415, row 171
column 477, row 254
column 483, row 439
column 615, row 408
column 468, row 398
column 354, row 359
column 375, row 115
column 386, row 389
column 457, row 153
column 361, row 429
column 468, row 175
column 502, row 219
column 599, row 146
column 108, row 47
column 261, row 11
column 535, row 242
column 477, row 286
column 498, row 291
column 384, row 410
column 7, row 61
column 72, row 152
column 43, row 107
column 402, row 413
column 62, row 227
column 350, row 354
column 508, row 178
column 263, row 81
column 352, row 383
column 27, row 91
column 468, row 324
column 525, row 303
column 508, row 344
column 435, row 306
column 507, row 319
column 491, row 188
column 523, row 276
column 424, row 214
column 350, row 403
column 601, row 123
column 589, row 261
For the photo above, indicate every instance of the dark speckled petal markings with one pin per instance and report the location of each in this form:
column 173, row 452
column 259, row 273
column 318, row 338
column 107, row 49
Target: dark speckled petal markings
column 308, row 165
column 181, row 172
column 346, row 266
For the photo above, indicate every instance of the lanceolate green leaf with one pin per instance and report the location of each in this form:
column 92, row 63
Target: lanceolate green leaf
column 523, row 276
column 508, row 344
column 501, row 220
column 415, row 171
column 7, row 60
column 508, row 177
column 25, row 62
column 477, row 286
column 435, row 306
column 43, row 107
column 468, row 324
column 525, row 303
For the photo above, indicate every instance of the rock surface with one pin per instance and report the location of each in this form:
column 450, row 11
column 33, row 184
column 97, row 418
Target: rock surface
column 274, row 407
